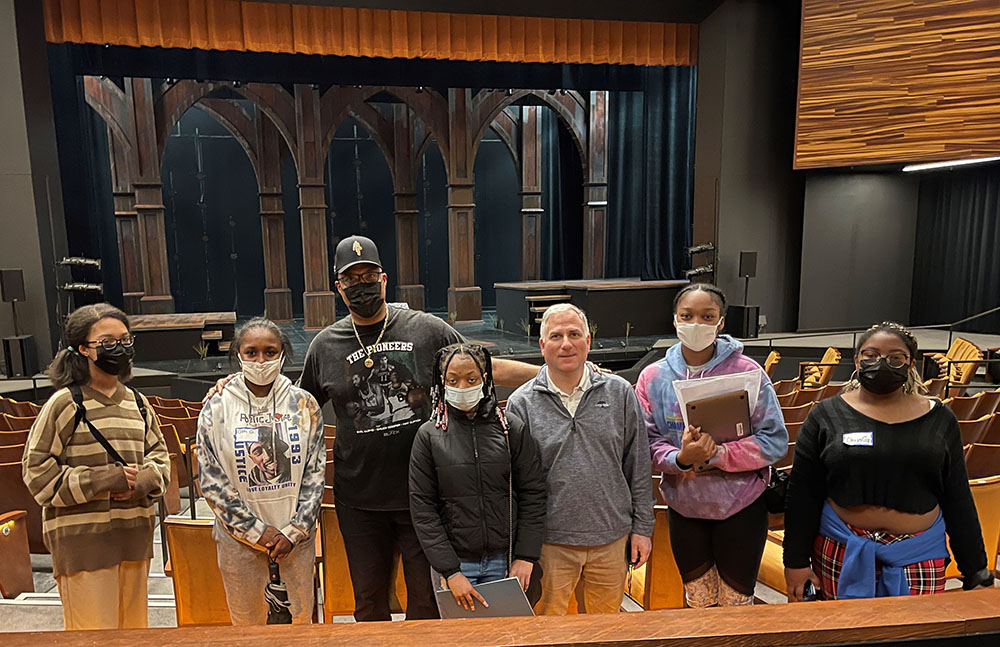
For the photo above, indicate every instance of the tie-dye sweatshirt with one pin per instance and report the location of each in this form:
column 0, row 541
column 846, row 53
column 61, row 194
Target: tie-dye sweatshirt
column 720, row 493
column 261, row 460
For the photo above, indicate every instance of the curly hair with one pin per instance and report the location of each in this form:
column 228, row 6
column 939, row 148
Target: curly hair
column 484, row 362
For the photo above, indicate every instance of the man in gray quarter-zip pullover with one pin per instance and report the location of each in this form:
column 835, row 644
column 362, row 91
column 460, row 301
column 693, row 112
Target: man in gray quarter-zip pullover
column 587, row 425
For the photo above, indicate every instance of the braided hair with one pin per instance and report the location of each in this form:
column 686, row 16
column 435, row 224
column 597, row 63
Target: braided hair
column 914, row 383
column 717, row 295
column 483, row 361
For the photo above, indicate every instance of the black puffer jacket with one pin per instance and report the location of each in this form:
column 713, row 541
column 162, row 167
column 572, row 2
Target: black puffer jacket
column 459, row 490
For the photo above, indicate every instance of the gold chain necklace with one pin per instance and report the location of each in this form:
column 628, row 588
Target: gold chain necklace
column 369, row 362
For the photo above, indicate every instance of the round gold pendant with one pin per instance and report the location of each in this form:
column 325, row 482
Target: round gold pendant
column 369, row 363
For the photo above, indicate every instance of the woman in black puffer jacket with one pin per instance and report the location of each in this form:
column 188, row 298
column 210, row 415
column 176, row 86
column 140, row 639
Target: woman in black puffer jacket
column 477, row 490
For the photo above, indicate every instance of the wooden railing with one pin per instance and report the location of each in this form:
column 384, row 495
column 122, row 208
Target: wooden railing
column 974, row 615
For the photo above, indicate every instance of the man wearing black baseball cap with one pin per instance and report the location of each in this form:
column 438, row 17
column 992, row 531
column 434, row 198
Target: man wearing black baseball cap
column 351, row 364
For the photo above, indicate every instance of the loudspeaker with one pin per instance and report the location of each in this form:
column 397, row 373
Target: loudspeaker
column 741, row 321
column 20, row 357
column 748, row 264
column 12, row 285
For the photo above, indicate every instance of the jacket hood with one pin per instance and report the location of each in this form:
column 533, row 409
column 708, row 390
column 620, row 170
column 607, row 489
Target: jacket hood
column 724, row 347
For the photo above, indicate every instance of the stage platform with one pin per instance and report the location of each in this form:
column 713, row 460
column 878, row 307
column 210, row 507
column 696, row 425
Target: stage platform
column 645, row 307
column 177, row 335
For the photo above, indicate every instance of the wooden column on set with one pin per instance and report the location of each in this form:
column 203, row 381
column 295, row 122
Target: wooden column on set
column 277, row 295
column 464, row 296
column 595, row 188
column 408, row 287
column 531, row 193
column 319, row 303
column 126, row 224
column 145, row 162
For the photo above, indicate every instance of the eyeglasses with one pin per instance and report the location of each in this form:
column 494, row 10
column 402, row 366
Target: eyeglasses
column 110, row 344
column 895, row 360
column 347, row 280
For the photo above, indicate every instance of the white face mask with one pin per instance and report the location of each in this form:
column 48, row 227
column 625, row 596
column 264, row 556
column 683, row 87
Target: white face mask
column 464, row 399
column 262, row 373
column 696, row 336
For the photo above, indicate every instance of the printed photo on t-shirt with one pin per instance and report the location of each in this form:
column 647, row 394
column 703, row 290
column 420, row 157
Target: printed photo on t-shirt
column 386, row 395
column 265, row 449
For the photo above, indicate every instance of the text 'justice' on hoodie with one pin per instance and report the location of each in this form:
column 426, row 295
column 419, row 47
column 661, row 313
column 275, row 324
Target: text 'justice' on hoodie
column 722, row 492
column 261, row 461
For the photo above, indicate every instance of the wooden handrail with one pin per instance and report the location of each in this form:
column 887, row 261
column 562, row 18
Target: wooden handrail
column 843, row 622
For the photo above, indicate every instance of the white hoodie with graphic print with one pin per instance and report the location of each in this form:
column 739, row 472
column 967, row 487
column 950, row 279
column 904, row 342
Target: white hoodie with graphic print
column 261, row 461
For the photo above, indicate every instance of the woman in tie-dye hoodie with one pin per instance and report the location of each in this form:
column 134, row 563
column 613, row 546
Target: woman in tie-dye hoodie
column 718, row 521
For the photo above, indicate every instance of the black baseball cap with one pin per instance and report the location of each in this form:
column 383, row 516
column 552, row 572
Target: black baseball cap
column 354, row 250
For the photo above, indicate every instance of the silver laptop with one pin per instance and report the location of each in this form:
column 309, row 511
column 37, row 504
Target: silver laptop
column 505, row 597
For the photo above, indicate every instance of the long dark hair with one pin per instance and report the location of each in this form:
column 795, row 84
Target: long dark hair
column 253, row 324
column 69, row 367
column 484, row 362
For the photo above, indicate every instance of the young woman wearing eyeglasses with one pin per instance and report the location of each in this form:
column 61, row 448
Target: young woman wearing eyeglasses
column 98, row 512
column 877, row 484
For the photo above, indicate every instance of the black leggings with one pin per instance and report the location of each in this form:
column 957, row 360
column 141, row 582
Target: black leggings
column 734, row 546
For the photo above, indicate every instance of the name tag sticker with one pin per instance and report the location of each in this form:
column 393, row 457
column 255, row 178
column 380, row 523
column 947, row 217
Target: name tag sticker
column 247, row 435
column 859, row 439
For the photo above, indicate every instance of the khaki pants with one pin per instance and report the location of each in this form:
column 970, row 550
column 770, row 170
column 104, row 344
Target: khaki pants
column 601, row 571
column 244, row 573
column 110, row 598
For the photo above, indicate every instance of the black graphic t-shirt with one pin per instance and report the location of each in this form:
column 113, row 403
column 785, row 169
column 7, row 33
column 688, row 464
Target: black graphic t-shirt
column 379, row 407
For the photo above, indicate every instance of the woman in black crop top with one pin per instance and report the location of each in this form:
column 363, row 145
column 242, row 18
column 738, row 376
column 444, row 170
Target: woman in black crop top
column 885, row 464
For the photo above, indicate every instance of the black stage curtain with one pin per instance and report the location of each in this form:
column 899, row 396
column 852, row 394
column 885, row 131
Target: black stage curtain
column 956, row 270
column 651, row 175
column 562, row 200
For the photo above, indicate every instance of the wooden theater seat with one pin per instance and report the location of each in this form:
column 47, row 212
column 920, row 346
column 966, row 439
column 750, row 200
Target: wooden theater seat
column 963, row 407
column 992, row 435
column 8, row 438
column 988, row 403
column 787, row 399
column 982, row 461
column 14, row 495
column 974, row 430
column 772, row 568
column 657, row 584
column 793, row 430
column 832, row 389
column 786, row 460
column 959, row 364
column 807, row 395
column 771, row 362
column 796, row 414
column 986, row 494
column 819, row 373
column 174, row 447
column 11, row 453
column 935, row 386
column 170, row 402
column 19, row 423
column 170, row 412
column 199, row 594
column 784, row 387
column 20, row 409
column 15, row 560
column 338, row 592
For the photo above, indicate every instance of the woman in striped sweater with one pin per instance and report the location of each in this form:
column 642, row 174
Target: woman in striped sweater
column 97, row 512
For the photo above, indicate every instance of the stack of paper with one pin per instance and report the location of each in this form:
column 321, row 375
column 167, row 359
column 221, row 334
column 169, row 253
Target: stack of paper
column 707, row 387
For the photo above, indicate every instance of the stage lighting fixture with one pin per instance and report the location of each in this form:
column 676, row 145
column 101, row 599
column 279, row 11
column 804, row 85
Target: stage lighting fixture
column 420, row 89
column 79, row 261
column 697, row 249
column 698, row 271
column 929, row 166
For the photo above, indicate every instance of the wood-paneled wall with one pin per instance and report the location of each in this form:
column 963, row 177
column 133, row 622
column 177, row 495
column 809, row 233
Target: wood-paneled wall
column 889, row 81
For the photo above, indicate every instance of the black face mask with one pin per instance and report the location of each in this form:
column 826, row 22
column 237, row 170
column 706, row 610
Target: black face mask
column 115, row 362
column 365, row 299
column 880, row 378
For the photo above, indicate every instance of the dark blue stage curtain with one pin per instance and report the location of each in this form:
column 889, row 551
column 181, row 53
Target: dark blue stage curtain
column 956, row 270
column 562, row 200
column 651, row 175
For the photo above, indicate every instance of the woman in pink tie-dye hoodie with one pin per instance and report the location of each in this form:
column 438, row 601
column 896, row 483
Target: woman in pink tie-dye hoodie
column 718, row 521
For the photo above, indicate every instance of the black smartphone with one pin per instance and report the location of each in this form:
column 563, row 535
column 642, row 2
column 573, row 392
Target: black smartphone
column 628, row 552
column 809, row 592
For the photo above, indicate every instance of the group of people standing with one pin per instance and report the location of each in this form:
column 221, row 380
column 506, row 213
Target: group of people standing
column 555, row 489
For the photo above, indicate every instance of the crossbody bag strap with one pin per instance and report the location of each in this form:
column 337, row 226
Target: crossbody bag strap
column 81, row 416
